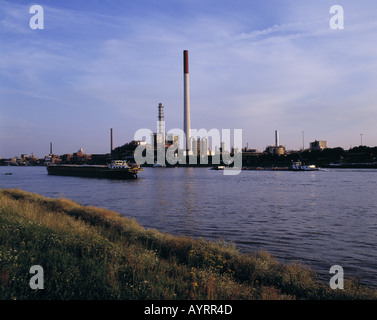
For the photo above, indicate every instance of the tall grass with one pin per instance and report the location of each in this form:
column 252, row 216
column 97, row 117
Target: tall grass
column 93, row 253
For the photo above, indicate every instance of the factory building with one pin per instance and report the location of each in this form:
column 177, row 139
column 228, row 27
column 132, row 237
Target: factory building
column 318, row 145
column 199, row 146
column 276, row 149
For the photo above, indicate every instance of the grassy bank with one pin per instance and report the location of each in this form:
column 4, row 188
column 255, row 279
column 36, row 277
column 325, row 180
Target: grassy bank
column 93, row 253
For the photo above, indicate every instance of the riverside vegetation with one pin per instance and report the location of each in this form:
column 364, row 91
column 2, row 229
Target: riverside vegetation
column 93, row 253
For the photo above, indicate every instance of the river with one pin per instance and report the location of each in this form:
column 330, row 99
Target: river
column 319, row 218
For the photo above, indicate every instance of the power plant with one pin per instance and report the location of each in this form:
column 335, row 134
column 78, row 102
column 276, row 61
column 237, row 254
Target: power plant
column 193, row 148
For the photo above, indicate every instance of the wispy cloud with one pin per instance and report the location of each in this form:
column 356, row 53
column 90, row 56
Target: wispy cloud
column 253, row 65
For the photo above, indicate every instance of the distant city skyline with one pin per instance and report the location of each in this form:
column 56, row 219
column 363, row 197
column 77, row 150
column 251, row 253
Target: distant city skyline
column 258, row 66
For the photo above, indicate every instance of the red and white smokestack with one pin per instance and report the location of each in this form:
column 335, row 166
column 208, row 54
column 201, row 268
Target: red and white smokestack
column 186, row 101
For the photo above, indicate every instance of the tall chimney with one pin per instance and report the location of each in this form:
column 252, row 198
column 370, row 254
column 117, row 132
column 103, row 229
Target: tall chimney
column 50, row 148
column 111, row 139
column 277, row 138
column 186, row 100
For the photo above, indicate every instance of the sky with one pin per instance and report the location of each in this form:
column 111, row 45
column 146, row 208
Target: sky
column 258, row 66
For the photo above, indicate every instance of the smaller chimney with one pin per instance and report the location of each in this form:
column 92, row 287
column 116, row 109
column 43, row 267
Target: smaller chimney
column 111, row 139
column 161, row 119
column 277, row 144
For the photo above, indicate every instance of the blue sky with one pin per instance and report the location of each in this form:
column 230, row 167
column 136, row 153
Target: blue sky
column 259, row 66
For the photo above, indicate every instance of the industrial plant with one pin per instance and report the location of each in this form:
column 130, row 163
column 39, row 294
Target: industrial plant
column 200, row 151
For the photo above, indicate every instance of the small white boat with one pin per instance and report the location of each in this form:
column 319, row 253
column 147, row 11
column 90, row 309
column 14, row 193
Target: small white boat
column 298, row 166
column 158, row 165
column 218, row 168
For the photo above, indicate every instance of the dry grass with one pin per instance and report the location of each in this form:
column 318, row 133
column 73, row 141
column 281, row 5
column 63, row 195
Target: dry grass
column 93, row 253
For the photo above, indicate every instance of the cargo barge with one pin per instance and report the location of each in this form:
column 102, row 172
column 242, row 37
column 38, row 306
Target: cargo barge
column 117, row 169
column 296, row 166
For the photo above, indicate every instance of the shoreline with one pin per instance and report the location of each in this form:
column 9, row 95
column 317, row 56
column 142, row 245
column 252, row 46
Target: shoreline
column 92, row 253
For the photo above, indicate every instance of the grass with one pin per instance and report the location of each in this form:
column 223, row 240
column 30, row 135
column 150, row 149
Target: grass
column 93, row 253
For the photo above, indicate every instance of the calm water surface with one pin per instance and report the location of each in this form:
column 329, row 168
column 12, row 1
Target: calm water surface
column 320, row 219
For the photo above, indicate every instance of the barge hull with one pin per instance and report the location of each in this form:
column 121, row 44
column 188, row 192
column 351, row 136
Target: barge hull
column 92, row 172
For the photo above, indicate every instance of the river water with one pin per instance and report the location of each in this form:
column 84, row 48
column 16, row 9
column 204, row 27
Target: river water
column 319, row 219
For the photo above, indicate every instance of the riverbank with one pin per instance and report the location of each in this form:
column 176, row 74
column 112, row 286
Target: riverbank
column 93, row 253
